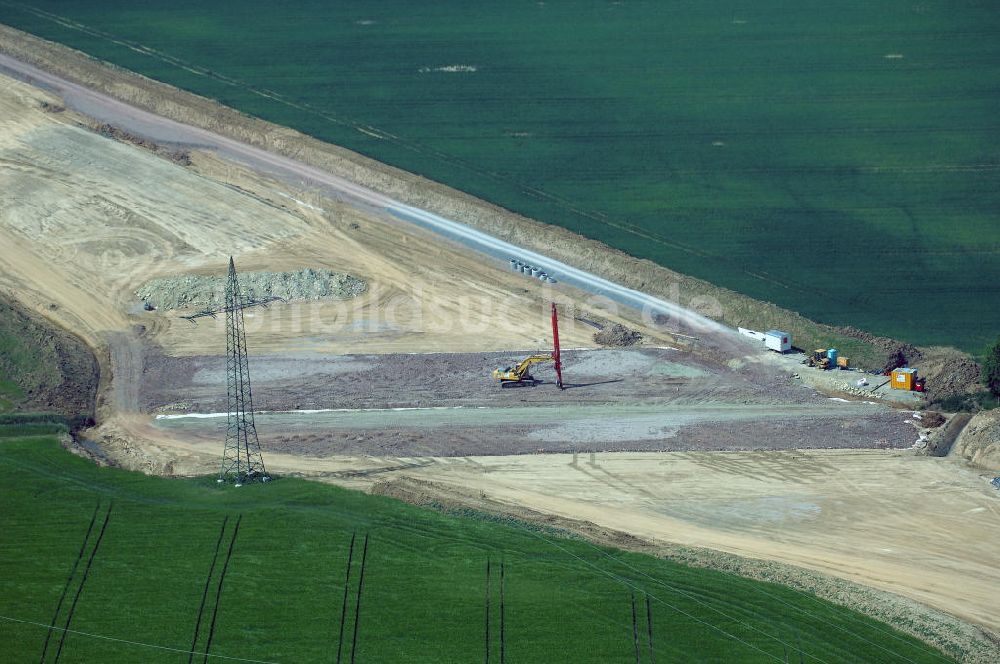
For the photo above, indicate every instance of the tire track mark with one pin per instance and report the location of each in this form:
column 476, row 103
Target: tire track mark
column 204, row 594
column 347, row 584
column 357, row 603
column 218, row 590
column 69, row 580
column 83, row 581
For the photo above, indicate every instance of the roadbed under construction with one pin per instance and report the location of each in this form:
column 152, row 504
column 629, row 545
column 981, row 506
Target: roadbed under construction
column 640, row 399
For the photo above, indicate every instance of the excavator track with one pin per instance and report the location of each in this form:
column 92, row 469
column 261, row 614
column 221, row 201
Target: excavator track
column 528, row 381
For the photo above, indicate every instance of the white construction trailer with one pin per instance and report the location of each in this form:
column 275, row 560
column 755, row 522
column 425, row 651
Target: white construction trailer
column 778, row 341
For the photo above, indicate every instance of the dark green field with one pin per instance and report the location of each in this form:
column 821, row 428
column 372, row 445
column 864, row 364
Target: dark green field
column 141, row 577
column 837, row 158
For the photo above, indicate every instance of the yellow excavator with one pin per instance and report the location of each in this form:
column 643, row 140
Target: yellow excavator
column 519, row 375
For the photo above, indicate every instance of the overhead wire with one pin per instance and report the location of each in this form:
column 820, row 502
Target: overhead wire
column 103, row 637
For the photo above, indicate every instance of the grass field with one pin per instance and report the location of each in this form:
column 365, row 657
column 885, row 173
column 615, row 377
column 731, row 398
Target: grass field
column 839, row 159
column 141, row 578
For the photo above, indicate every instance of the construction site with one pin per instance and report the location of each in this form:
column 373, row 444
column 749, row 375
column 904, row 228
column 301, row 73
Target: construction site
column 394, row 352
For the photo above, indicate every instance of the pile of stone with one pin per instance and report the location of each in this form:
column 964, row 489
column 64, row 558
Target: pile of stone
column 205, row 292
column 868, row 394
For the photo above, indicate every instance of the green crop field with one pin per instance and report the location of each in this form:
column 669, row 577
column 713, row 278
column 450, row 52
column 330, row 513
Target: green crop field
column 131, row 564
column 837, row 158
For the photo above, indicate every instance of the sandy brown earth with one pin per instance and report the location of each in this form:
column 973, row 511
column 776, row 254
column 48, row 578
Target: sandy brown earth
column 85, row 219
column 831, row 512
column 113, row 216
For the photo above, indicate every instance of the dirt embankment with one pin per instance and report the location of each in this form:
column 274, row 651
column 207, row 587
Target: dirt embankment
column 719, row 303
column 979, row 442
column 54, row 370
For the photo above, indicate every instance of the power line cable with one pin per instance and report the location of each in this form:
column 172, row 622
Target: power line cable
column 133, row 643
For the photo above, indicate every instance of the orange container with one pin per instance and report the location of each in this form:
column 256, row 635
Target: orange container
column 903, row 379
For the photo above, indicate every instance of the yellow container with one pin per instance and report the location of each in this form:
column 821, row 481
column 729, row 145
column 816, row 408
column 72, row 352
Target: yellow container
column 843, row 362
column 903, row 379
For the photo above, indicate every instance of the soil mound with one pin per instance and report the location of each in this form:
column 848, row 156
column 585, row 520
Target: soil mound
column 949, row 372
column 979, row 442
column 617, row 335
column 206, row 292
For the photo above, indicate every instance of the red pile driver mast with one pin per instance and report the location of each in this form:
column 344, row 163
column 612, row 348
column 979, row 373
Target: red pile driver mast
column 555, row 342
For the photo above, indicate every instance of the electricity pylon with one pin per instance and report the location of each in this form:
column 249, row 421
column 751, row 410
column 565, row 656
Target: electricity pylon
column 241, row 458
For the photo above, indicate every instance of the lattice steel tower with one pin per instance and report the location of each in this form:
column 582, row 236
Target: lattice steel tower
column 241, row 458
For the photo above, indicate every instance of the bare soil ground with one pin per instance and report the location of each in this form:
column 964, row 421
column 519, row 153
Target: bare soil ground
column 421, row 380
column 934, row 626
column 446, row 404
column 86, row 220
